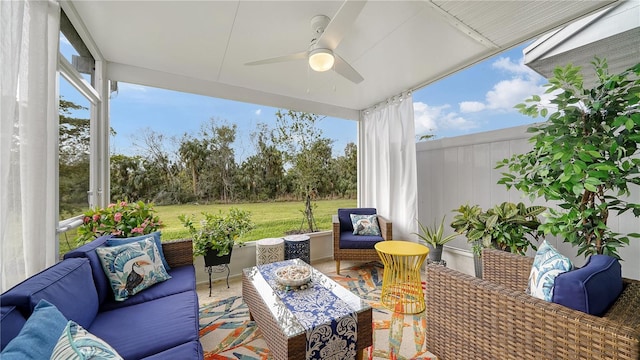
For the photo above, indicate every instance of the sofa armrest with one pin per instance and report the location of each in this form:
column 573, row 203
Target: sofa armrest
column 386, row 227
column 178, row 252
column 471, row 318
column 506, row 269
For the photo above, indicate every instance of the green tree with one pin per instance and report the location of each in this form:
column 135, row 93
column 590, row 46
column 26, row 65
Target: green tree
column 73, row 151
column 300, row 138
column 585, row 156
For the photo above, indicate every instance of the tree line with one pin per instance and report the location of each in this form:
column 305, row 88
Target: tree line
column 291, row 160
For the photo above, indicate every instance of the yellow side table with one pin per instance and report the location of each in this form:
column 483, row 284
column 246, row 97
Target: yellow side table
column 401, row 283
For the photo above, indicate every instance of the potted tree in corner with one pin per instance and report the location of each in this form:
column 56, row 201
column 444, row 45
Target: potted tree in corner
column 434, row 237
column 217, row 234
column 584, row 157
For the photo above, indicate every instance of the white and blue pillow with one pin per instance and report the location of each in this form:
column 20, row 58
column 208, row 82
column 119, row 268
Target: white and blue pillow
column 114, row 241
column 547, row 265
column 76, row 343
column 132, row 267
column 365, row 224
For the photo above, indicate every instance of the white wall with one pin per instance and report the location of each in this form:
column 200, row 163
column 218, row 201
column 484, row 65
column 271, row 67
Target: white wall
column 461, row 170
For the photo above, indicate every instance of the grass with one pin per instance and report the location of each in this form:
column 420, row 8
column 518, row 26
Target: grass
column 272, row 219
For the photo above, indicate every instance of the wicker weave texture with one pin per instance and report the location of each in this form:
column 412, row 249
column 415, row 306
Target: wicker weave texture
column 178, row 253
column 294, row 348
column 470, row 318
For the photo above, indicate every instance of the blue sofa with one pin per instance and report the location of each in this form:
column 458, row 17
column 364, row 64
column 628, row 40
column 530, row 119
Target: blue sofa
column 160, row 322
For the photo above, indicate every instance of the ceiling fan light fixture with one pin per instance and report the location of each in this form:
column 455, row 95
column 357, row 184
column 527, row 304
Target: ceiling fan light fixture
column 321, row 59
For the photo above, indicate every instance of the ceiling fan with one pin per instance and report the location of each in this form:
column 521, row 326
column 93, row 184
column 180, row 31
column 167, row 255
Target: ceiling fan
column 327, row 34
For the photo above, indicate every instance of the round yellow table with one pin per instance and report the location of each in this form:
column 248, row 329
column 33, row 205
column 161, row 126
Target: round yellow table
column 401, row 283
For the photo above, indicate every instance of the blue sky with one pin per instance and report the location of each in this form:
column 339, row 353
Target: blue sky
column 477, row 99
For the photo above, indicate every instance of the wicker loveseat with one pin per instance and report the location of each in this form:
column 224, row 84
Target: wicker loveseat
column 493, row 318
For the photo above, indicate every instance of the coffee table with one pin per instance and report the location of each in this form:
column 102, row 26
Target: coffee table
column 283, row 327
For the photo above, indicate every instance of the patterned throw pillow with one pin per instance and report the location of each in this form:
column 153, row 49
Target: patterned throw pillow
column 365, row 224
column 547, row 264
column 132, row 267
column 76, row 343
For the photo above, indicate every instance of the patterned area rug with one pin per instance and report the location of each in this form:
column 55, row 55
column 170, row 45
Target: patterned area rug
column 227, row 333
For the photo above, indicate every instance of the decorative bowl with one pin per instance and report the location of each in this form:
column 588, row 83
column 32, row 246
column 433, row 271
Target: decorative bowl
column 293, row 275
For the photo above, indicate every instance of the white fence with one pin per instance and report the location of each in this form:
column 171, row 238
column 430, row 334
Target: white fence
column 461, row 170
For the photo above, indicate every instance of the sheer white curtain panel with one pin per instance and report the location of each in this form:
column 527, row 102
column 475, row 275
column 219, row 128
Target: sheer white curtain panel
column 388, row 176
column 29, row 131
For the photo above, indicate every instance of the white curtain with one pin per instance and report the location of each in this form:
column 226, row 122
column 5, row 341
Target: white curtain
column 388, row 169
column 28, row 150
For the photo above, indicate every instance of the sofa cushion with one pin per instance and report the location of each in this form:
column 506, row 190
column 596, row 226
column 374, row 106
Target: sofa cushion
column 99, row 278
column 68, row 285
column 344, row 217
column 183, row 278
column 167, row 322
column 591, row 289
column 156, row 237
column 350, row 241
column 365, row 225
column 11, row 321
column 189, row 350
column 38, row 336
column 132, row 267
column 76, row 343
column 547, row 264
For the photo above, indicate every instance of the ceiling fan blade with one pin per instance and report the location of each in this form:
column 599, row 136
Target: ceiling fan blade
column 344, row 69
column 341, row 22
column 290, row 57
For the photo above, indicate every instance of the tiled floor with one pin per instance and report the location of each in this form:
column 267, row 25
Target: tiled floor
column 220, row 290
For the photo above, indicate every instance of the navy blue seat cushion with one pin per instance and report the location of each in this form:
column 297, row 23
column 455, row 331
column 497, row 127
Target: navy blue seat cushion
column 344, row 217
column 68, row 285
column 99, row 278
column 168, row 322
column 350, row 241
column 11, row 321
column 189, row 350
column 183, row 279
column 592, row 288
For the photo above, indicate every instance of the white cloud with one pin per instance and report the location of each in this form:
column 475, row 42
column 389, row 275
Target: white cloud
column 507, row 93
column 432, row 118
column 471, row 106
column 258, row 112
column 122, row 86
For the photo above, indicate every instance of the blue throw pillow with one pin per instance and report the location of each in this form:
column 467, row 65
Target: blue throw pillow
column 132, row 267
column 156, row 237
column 38, row 336
column 547, row 265
column 365, row 224
column 76, row 343
column 591, row 289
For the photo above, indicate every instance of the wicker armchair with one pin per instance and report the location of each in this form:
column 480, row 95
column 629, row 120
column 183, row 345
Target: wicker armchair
column 360, row 254
column 493, row 318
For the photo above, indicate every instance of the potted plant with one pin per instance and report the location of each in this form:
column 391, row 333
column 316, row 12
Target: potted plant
column 217, row 234
column 120, row 219
column 434, row 237
column 507, row 226
column 584, row 156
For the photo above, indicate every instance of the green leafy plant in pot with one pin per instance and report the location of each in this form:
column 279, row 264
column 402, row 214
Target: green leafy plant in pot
column 584, row 156
column 434, row 237
column 508, row 226
column 218, row 233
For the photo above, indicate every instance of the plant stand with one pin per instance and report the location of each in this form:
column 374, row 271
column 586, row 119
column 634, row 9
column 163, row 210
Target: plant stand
column 216, row 264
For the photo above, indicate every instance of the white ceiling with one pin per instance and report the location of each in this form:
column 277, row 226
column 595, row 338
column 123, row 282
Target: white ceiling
column 202, row 46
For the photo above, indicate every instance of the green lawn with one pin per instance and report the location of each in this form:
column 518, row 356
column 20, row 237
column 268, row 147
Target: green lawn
column 272, row 219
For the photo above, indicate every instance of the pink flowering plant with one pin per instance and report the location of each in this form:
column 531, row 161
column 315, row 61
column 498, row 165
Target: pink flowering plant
column 121, row 219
